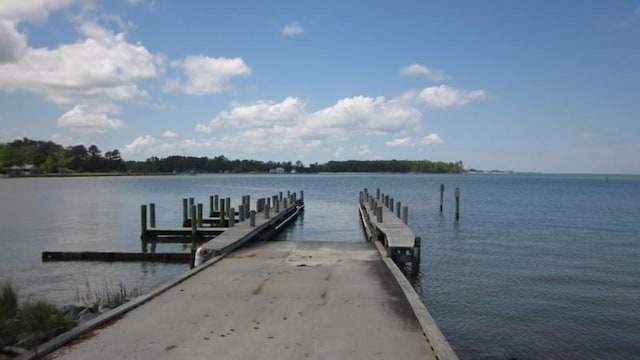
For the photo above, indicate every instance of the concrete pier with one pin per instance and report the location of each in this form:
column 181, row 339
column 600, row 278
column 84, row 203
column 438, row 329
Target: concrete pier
column 272, row 300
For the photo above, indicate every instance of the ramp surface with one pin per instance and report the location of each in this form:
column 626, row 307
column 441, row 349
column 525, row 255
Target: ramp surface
column 273, row 300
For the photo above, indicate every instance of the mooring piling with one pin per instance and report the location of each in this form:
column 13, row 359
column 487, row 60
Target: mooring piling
column 152, row 215
column 457, row 194
column 441, row 197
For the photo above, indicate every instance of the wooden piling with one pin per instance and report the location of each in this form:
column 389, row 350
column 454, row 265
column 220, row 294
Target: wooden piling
column 232, row 217
column 441, row 197
column 405, row 215
column 457, row 193
column 398, row 208
column 143, row 220
column 215, row 202
column 185, row 210
column 241, row 212
column 194, row 221
column 391, row 204
column 252, row 218
column 200, row 215
column 152, row 215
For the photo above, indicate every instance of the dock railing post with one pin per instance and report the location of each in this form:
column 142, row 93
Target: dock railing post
column 276, row 203
column 398, row 208
column 252, row 218
column 391, row 205
column 227, row 206
column 379, row 214
column 200, row 215
column 152, row 215
column 232, row 217
column 248, row 206
column 266, row 209
column 210, row 205
column 215, row 202
column 378, row 194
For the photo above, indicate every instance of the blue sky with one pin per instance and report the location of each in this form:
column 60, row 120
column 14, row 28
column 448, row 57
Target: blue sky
column 547, row 86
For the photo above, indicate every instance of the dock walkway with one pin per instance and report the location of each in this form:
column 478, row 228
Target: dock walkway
column 273, row 300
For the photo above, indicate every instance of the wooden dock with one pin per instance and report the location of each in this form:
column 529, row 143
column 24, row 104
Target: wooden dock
column 382, row 224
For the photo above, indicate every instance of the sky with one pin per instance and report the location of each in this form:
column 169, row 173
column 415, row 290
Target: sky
column 543, row 86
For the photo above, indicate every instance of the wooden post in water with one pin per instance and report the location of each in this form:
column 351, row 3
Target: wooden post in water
column 210, row 205
column 215, row 202
column 194, row 221
column 252, row 218
column 200, row 215
column 379, row 214
column 302, row 195
column 227, row 204
column 398, row 208
column 143, row 221
column 415, row 262
column 405, row 215
column 241, row 212
column 391, row 204
column 152, row 215
column 441, row 197
column 185, row 211
column 276, row 204
column 232, row 217
column 247, row 207
column 266, row 209
column 457, row 193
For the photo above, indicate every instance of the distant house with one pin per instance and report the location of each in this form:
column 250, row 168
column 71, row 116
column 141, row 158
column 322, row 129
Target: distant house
column 17, row 170
column 277, row 170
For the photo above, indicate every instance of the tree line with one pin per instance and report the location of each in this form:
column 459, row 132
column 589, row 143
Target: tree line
column 51, row 158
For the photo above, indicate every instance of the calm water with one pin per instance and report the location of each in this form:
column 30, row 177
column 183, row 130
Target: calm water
column 539, row 266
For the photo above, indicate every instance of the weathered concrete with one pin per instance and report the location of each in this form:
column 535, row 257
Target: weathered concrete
column 274, row 300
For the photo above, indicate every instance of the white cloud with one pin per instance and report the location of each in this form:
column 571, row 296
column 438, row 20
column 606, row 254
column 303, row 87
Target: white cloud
column 169, row 134
column 139, row 144
column 203, row 75
column 102, row 67
column 85, row 120
column 409, row 141
column 257, row 114
column 423, row 71
column 444, row 96
column 13, row 45
column 34, row 10
column 292, row 29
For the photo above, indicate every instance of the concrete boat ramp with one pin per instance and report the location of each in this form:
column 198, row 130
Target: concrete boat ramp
column 254, row 299
column 272, row 300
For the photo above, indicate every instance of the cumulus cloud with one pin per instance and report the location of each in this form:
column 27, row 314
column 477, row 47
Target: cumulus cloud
column 202, row 75
column 423, row 71
column 86, row 120
column 138, row 145
column 409, row 141
column 292, row 29
column 169, row 134
column 34, row 10
column 89, row 75
column 13, row 45
column 443, row 96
